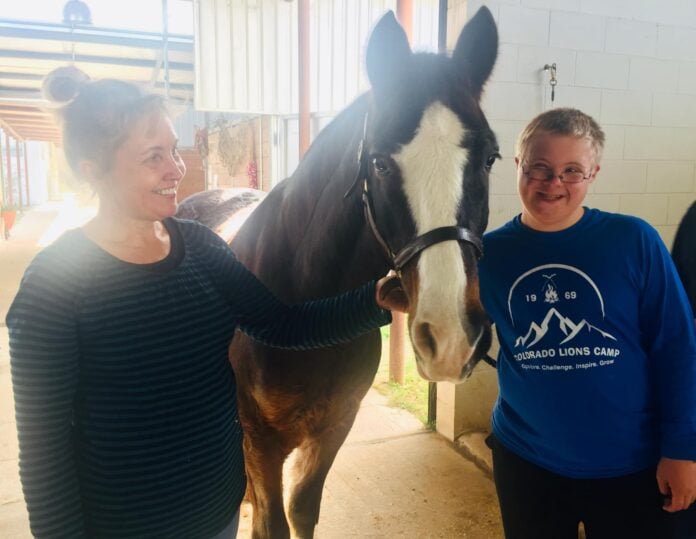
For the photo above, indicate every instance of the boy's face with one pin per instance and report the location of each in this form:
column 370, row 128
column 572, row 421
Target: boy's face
column 552, row 205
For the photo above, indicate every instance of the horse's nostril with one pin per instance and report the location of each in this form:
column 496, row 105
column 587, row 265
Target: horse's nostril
column 425, row 339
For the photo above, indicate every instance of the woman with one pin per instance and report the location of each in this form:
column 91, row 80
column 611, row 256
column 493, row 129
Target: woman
column 125, row 399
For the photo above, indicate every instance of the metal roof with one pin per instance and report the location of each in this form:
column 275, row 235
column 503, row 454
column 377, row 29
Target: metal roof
column 30, row 50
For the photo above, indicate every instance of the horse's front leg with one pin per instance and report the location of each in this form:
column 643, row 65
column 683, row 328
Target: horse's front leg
column 264, row 467
column 314, row 458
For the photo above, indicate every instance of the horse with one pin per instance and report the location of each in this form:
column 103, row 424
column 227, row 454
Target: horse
column 684, row 253
column 224, row 211
column 398, row 180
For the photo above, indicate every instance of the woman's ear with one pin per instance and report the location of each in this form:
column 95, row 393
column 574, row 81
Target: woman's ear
column 90, row 171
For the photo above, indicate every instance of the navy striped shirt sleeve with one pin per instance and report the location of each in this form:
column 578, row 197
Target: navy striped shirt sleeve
column 44, row 367
column 313, row 324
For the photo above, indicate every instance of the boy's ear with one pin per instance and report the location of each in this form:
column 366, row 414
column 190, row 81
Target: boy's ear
column 594, row 174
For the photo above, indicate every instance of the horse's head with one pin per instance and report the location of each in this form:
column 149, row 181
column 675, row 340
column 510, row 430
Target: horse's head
column 427, row 154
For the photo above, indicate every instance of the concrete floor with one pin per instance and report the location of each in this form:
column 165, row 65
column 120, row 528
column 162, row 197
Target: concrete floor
column 392, row 478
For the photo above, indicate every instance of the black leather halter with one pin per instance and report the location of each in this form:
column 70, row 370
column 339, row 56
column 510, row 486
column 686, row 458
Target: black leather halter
column 401, row 258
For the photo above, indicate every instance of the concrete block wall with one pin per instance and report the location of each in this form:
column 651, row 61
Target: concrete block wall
column 631, row 64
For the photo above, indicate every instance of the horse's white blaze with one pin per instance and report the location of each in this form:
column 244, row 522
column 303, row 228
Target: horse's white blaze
column 431, row 167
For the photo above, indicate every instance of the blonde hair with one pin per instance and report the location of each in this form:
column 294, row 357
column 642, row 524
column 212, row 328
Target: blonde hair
column 564, row 122
column 96, row 116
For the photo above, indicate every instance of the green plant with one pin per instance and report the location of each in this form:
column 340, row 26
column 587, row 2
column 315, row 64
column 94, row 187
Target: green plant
column 8, row 208
column 412, row 395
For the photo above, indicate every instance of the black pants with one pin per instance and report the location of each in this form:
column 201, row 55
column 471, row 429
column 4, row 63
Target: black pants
column 538, row 504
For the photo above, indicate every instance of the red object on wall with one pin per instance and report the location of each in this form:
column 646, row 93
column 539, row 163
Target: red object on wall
column 252, row 175
column 8, row 220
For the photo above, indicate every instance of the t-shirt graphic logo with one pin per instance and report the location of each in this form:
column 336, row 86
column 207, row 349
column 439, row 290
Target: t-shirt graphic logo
column 566, row 325
column 556, row 305
column 550, row 292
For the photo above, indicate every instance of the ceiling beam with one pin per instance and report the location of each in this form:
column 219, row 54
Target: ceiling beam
column 10, row 76
column 7, row 113
column 19, row 126
column 14, row 109
column 138, row 40
column 7, row 127
column 91, row 59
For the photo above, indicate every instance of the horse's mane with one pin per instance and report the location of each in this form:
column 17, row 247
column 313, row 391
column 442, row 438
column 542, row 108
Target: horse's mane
column 320, row 165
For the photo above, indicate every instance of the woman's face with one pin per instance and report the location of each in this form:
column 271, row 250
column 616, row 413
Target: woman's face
column 145, row 172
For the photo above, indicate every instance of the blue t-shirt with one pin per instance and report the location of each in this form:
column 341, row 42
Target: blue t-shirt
column 597, row 361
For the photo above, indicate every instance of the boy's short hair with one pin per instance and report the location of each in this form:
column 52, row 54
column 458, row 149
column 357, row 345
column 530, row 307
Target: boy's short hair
column 563, row 121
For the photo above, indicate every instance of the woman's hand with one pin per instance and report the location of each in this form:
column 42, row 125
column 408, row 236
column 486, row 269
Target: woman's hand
column 390, row 294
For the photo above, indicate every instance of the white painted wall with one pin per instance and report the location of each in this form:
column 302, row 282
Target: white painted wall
column 631, row 64
column 247, row 58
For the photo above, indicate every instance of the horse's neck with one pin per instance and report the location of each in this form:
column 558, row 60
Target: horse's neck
column 307, row 239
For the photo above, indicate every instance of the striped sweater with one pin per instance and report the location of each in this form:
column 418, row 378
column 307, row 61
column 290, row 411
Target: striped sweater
column 125, row 399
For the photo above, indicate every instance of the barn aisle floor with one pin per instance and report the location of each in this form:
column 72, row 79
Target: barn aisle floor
column 392, row 478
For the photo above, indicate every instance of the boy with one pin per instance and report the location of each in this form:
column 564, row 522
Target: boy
column 596, row 417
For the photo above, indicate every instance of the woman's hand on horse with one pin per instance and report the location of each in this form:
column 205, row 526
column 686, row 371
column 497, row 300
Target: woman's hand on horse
column 390, row 294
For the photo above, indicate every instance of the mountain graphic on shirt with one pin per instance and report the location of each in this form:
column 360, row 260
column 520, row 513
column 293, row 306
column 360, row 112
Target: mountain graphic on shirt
column 567, row 327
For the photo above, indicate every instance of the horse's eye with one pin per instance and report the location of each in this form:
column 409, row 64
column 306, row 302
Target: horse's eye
column 491, row 159
column 381, row 166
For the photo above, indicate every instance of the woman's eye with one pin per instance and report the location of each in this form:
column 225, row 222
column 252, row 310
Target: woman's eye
column 156, row 158
column 381, row 166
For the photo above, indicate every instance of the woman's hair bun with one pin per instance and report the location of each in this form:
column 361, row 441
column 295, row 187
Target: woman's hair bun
column 62, row 84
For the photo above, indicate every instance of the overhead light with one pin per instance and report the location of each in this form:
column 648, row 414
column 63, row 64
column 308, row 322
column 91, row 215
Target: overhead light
column 76, row 12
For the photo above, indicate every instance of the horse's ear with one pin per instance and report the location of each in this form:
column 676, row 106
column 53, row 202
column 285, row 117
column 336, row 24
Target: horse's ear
column 388, row 53
column 477, row 49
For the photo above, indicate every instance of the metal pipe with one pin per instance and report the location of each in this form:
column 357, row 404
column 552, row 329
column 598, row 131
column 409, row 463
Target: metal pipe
column 19, row 174
column 2, row 171
column 397, row 333
column 404, row 12
column 165, row 46
column 441, row 47
column 442, row 26
column 10, row 195
column 303, row 63
column 26, row 173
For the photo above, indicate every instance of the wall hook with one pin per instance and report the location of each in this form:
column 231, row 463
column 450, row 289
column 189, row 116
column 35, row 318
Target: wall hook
column 551, row 68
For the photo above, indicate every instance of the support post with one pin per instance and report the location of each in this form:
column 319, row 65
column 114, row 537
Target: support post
column 442, row 26
column 26, row 173
column 441, row 47
column 2, row 170
column 10, row 196
column 165, row 46
column 397, row 332
column 397, row 348
column 19, row 174
column 404, row 12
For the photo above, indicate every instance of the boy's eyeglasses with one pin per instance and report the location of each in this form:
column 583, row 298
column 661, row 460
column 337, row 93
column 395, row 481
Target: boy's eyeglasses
column 543, row 174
